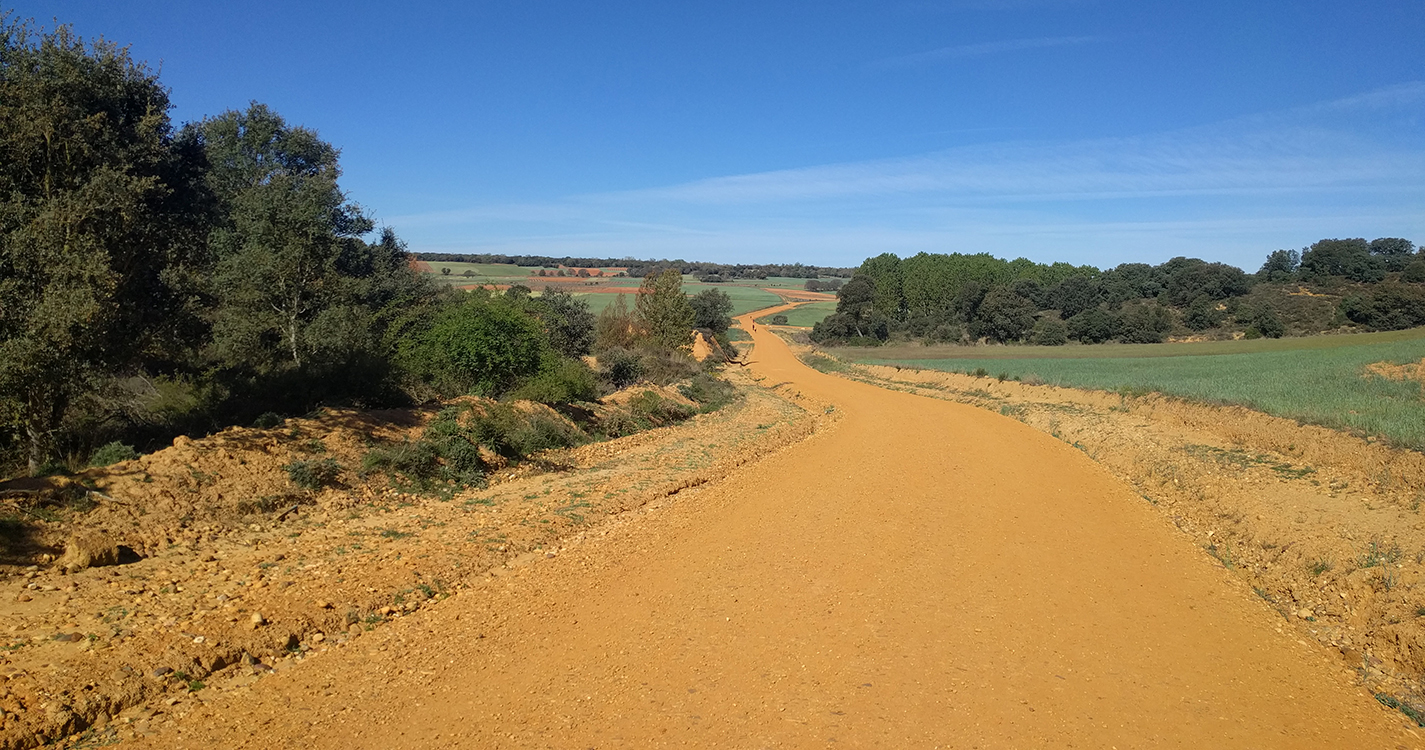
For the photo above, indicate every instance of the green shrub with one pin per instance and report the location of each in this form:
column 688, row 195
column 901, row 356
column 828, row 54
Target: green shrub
column 710, row 392
column 267, row 420
column 1092, row 326
column 314, row 474
column 112, row 453
column 480, row 345
column 560, row 381
column 1049, row 331
column 1146, row 323
column 658, row 411
column 620, row 368
column 1268, row 324
column 662, row 367
column 448, row 451
column 779, row 320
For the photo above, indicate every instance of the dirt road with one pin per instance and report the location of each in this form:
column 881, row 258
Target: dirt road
column 921, row 574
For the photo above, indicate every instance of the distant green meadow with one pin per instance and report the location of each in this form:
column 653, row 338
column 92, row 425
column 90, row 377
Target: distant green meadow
column 806, row 315
column 1319, row 379
column 745, row 299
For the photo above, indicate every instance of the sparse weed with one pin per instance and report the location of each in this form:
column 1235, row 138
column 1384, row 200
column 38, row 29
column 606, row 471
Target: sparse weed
column 1379, row 554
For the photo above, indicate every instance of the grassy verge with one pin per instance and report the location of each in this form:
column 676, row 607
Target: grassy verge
column 1320, row 380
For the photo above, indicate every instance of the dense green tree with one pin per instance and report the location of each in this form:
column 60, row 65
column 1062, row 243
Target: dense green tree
column 1350, row 258
column 712, row 309
column 284, row 224
column 96, row 240
column 480, row 344
column 1395, row 252
column 1202, row 314
column 1074, row 295
column 1388, row 307
column 1130, row 281
column 1031, row 290
column 884, row 272
column 1190, row 278
column 1264, row 322
column 857, row 297
column 662, row 309
column 1144, row 323
column 568, row 321
column 1003, row 316
column 1281, row 265
column 1092, row 326
column 1049, row 330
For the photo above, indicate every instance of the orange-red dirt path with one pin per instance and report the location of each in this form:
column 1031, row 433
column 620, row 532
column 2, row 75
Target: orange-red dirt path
column 921, row 574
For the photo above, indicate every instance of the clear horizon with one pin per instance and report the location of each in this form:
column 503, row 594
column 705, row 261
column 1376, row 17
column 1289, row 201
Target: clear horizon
column 1088, row 132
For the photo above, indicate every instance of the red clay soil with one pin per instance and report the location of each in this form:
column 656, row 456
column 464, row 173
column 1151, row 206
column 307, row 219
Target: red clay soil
column 921, row 574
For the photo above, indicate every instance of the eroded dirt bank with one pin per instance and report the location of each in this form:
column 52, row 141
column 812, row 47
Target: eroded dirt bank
column 223, row 586
column 1323, row 526
column 922, row 573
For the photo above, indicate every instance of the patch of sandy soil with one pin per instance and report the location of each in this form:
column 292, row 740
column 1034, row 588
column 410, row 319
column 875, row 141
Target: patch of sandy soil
column 1324, row 526
column 230, row 573
column 1399, row 373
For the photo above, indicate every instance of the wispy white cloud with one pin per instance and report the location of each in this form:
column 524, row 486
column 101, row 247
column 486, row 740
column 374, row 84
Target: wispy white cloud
column 1231, row 191
column 984, row 48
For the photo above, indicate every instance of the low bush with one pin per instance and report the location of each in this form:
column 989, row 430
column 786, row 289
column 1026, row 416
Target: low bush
column 1049, row 331
column 314, row 474
column 665, row 367
column 112, row 453
column 448, row 452
column 710, row 392
column 657, row 411
column 620, row 368
column 779, row 320
column 267, row 420
column 560, row 381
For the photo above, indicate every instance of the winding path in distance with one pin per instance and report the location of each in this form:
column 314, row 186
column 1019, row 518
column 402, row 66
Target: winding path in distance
column 921, row 574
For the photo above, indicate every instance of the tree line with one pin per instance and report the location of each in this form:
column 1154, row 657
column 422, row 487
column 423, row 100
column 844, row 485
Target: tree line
column 955, row 298
column 704, row 271
column 158, row 279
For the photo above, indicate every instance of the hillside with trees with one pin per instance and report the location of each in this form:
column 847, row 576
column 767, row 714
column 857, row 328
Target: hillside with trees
column 1332, row 285
column 160, row 279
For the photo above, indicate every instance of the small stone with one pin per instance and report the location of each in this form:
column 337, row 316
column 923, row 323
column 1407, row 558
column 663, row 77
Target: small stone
column 23, row 597
column 163, row 671
column 257, row 619
column 318, row 637
column 322, row 604
column 354, row 628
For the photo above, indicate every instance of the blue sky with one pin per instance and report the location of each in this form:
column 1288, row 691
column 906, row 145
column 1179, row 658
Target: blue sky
column 824, row 132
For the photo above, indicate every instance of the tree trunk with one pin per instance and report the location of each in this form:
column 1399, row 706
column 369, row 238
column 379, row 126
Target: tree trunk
column 37, row 448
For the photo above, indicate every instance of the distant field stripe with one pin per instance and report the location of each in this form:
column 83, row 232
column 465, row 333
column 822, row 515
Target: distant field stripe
column 1103, row 351
column 1321, row 385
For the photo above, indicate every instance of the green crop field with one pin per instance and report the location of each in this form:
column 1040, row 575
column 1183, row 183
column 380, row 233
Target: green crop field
column 1320, row 379
column 806, row 315
column 744, row 299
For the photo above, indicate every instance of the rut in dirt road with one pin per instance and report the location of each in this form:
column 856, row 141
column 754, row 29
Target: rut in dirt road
column 921, row 574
